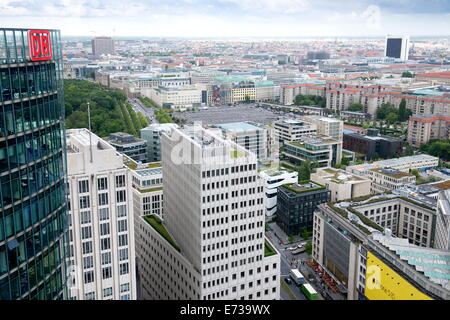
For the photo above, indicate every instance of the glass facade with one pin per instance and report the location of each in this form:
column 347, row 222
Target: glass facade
column 33, row 218
column 295, row 212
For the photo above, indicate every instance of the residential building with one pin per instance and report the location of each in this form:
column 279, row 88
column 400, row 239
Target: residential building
column 422, row 128
column 436, row 77
column 211, row 244
column 292, row 130
column 296, row 203
column 341, row 184
column 129, row 145
column 329, row 127
column 397, row 47
column 273, row 179
column 102, row 45
column 102, row 249
column 388, row 179
column 324, row 151
column 442, row 240
column 33, row 216
column 152, row 135
column 252, row 136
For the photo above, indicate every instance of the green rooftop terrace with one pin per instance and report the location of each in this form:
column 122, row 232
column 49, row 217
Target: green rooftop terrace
column 236, row 154
column 157, row 224
column 303, row 186
column 268, row 249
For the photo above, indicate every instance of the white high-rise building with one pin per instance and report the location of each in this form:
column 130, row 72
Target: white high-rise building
column 211, row 244
column 397, row 47
column 102, row 253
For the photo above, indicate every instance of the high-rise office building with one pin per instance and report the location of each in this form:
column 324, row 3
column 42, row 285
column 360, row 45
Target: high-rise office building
column 211, row 244
column 102, row 45
column 33, row 217
column 102, row 255
column 397, row 47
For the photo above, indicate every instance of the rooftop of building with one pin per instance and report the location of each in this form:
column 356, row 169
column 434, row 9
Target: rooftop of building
column 429, row 117
column 404, row 160
column 238, row 126
column 338, row 176
column 315, row 140
column 347, row 208
column 443, row 75
column 302, row 187
column 160, row 126
column 433, row 263
column 122, row 138
column 324, row 119
column 393, row 173
column 158, row 225
column 378, row 137
column 77, row 138
column 151, row 171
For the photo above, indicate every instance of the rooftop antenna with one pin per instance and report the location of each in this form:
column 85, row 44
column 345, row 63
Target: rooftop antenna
column 90, row 133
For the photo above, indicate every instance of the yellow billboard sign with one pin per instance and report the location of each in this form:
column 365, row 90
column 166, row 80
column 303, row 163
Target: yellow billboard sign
column 383, row 283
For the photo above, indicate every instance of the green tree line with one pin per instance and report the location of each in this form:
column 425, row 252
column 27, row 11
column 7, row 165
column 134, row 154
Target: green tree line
column 310, row 100
column 109, row 109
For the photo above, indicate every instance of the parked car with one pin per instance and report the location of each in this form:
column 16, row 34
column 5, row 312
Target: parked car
column 288, row 280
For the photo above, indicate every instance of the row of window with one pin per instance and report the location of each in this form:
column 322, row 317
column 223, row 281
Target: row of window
column 22, row 150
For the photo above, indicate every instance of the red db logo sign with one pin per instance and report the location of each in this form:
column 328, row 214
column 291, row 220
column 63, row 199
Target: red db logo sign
column 40, row 45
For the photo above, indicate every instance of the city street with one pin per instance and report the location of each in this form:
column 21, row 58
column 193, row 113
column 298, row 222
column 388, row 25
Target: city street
column 147, row 112
column 289, row 261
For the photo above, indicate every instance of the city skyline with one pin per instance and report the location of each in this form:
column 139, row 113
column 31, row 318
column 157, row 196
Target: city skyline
column 231, row 18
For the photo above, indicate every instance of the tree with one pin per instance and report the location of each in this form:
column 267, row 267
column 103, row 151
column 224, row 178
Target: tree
column 345, row 161
column 308, row 247
column 304, row 172
column 391, row 118
column 403, row 113
column 407, row 74
column 355, row 107
column 385, row 109
column 437, row 148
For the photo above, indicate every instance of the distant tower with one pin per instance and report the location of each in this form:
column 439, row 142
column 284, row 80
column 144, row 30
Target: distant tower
column 102, row 45
column 397, row 47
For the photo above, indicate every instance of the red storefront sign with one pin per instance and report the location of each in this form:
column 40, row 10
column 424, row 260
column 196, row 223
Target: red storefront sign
column 40, row 45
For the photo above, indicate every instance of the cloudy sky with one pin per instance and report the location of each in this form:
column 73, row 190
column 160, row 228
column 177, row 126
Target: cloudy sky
column 230, row 18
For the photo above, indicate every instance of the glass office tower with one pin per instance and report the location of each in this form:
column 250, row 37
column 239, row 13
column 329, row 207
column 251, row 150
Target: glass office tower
column 33, row 218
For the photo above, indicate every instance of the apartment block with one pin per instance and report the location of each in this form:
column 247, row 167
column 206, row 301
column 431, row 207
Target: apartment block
column 422, row 128
column 292, row 130
column 102, row 250
column 329, row 127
